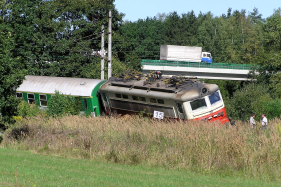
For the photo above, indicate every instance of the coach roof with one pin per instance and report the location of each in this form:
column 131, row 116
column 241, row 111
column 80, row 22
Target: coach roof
column 65, row 85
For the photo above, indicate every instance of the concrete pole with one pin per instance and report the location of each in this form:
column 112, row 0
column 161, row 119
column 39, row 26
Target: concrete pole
column 109, row 45
column 102, row 52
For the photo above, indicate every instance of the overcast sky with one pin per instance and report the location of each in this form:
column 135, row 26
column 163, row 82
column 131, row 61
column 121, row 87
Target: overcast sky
column 140, row 9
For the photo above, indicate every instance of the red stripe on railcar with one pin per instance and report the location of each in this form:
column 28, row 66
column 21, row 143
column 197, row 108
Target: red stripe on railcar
column 219, row 115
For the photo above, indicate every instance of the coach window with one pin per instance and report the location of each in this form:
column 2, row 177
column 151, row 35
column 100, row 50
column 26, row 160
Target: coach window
column 30, row 98
column 160, row 101
column 85, row 104
column 118, row 95
column 43, row 100
column 135, row 98
column 152, row 100
column 125, row 96
column 19, row 95
column 142, row 98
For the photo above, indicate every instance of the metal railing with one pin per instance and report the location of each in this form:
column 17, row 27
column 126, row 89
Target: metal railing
column 198, row 65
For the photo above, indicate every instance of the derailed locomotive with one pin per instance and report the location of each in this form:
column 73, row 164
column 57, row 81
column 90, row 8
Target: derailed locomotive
column 131, row 93
column 176, row 97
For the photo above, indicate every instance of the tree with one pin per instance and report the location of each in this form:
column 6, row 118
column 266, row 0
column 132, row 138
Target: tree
column 249, row 99
column 58, row 37
column 11, row 72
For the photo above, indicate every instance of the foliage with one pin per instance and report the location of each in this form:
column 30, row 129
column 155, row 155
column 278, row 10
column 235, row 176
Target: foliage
column 252, row 98
column 272, row 108
column 11, row 72
column 275, row 85
column 60, row 104
column 27, row 110
column 57, row 37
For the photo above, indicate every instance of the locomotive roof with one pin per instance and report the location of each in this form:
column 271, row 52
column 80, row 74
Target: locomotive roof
column 182, row 89
column 65, row 85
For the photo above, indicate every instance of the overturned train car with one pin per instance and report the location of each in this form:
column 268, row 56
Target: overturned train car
column 176, row 97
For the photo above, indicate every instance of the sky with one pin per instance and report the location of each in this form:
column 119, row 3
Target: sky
column 141, row 9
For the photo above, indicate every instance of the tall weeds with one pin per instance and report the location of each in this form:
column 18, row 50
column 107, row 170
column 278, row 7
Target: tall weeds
column 195, row 146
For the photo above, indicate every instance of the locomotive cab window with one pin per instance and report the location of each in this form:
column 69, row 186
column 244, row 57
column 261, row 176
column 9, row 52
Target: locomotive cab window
column 118, row 95
column 30, row 98
column 43, row 100
column 214, row 98
column 198, row 104
column 19, row 95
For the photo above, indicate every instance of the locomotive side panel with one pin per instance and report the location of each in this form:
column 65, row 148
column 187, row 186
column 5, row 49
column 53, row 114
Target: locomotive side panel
column 177, row 97
column 124, row 103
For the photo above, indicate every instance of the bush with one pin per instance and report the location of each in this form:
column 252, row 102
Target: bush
column 272, row 108
column 252, row 98
column 61, row 104
column 24, row 109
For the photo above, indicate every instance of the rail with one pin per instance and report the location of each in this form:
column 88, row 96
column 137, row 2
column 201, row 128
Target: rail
column 198, row 65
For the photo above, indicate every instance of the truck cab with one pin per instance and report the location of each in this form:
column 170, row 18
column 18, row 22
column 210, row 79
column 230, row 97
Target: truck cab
column 206, row 57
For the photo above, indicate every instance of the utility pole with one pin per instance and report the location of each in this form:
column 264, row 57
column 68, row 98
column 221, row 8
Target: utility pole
column 109, row 45
column 102, row 52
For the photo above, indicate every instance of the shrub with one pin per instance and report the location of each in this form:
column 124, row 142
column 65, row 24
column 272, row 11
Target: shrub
column 24, row 109
column 61, row 104
column 272, row 108
column 252, row 98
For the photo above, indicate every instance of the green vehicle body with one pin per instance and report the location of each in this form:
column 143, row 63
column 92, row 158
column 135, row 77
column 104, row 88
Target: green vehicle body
column 90, row 104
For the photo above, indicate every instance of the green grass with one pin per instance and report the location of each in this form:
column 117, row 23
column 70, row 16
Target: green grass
column 42, row 170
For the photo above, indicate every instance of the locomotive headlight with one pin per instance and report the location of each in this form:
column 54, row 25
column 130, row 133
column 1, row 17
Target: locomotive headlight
column 204, row 119
column 204, row 90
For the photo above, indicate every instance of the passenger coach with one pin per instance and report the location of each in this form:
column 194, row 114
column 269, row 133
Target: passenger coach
column 39, row 90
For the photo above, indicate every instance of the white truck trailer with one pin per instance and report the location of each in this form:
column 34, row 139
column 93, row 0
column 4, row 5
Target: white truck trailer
column 184, row 53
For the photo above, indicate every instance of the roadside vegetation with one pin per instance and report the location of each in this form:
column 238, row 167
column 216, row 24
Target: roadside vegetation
column 190, row 146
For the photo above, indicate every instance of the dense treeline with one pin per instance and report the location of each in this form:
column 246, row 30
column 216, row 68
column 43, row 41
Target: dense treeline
column 235, row 37
column 57, row 38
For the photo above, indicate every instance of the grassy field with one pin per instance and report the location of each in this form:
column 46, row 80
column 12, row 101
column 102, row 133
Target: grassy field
column 41, row 170
column 203, row 148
